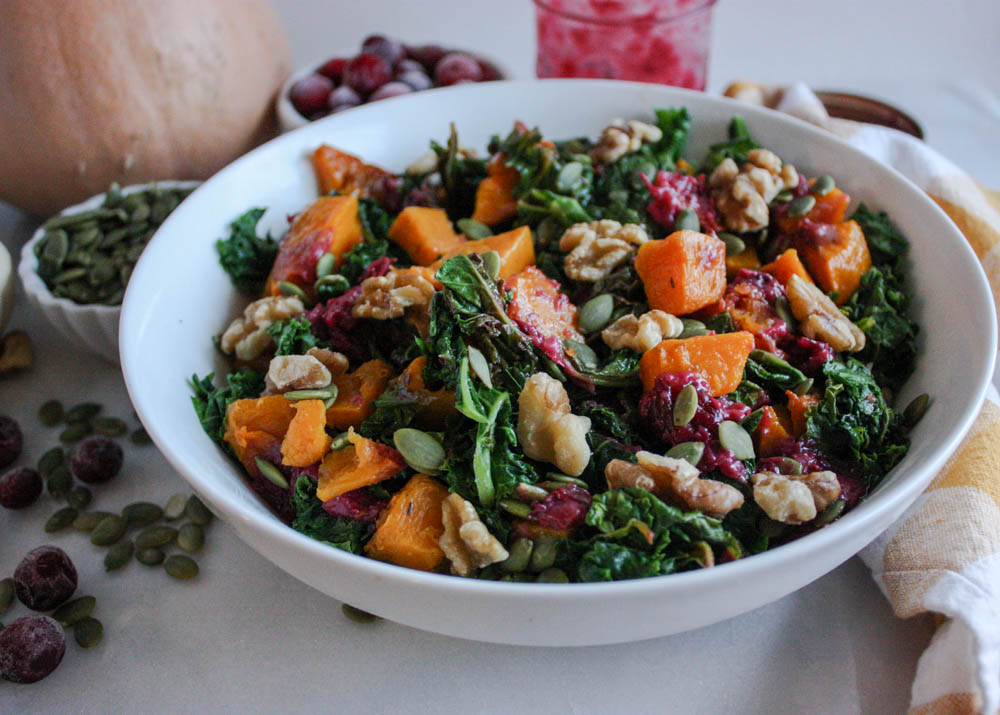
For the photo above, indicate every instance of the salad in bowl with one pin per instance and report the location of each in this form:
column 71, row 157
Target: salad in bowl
column 571, row 360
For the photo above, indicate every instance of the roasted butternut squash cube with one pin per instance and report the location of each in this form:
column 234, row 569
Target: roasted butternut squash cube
column 424, row 233
column 356, row 393
column 515, row 248
column 362, row 463
column 408, row 530
column 683, row 272
column 720, row 359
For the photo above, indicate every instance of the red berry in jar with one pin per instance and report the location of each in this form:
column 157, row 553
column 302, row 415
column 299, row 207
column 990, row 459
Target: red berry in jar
column 390, row 89
column 30, row 648
column 417, row 81
column 96, row 460
column 427, row 55
column 367, row 72
column 389, row 50
column 20, row 488
column 310, row 94
column 45, row 578
column 333, row 68
column 11, row 440
column 455, row 67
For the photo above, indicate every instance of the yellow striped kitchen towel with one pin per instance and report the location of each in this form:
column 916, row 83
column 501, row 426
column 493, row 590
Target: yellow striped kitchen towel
column 943, row 555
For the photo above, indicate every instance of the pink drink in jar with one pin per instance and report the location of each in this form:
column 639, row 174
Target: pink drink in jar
column 661, row 41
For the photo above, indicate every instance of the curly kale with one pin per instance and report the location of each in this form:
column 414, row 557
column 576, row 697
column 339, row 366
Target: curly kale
column 292, row 336
column 312, row 520
column 245, row 256
column 735, row 148
column 210, row 402
column 460, row 176
column 375, row 222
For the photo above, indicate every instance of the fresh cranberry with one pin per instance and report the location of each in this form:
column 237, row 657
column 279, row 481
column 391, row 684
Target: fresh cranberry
column 96, row 460
column 357, row 505
column 11, row 440
column 427, row 55
column 389, row 90
column 408, row 65
column 455, row 67
column 310, row 94
column 45, row 578
column 416, row 79
column 366, row 73
column 343, row 98
column 490, row 72
column 389, row 50
column 333, row 68
column 563, row 508
column 30, row 648
column 20, row 488
column 674, row 191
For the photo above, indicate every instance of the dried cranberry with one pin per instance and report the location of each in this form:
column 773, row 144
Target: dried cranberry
column 96, row 460
column 427, row 55
column 333, row 68
column 343, row 98
column 20, row 488
column 366, row 73
column 310, row 94
column 45, row 578
column 456, row 67
column 563, row 508
column 389, row 50
column 357, row 505
column 673, row 191
column 11, row 440
column 30, row 648
column 389, row 90
column 416, row 80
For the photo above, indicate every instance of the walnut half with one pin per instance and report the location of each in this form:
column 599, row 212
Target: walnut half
column 391, row 295
column 820, row 318
column 642, row 333
column 675, row 481
column 546, row 428
column 794, row 499
column 296, row 372
column 620, row 138
column 742, row 194
column 466, row 541
column 247, row 335
column 595, row 249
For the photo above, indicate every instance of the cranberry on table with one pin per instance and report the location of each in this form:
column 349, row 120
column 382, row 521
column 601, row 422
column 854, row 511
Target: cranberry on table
column 367, row 72
column 343, row 98
column 389, row 50
column 333, row 68
column 427, row 55
column 96, row 460
column 30, row 648
column 390, row 89
column 20, row 488
column 11, row 440
column 309, row 95
column 416, row 80
column 455, row 67
column 45, row 578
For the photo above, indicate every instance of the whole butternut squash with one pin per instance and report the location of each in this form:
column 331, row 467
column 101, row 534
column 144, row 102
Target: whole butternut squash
column 96, row 91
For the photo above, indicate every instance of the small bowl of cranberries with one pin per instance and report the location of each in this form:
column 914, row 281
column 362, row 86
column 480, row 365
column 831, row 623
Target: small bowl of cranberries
column 383, row 68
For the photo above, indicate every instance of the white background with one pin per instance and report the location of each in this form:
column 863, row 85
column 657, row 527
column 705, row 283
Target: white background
column 245, row 637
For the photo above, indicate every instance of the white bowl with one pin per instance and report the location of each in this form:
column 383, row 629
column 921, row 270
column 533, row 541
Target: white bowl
column 169, row 317
column 91, row 327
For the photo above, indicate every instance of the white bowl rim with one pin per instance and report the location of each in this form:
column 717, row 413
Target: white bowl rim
column 865, row 514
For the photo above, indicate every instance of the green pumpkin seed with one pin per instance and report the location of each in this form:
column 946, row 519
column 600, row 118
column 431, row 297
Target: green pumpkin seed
column 75, row 611
column 357, row 615
column 804, row 386
column 473, row 229
column 197, row 512
column 421, row 451
column 51, row 413
column 290, row 290
column 790, row 466
column 687, row 220
column 519, row 554
column 552, row 575
column 734, row 244
column 55, row 248
column 75, row 431
column 477, row 361
column 325, row 393
column 685, row 406
column 142, row 513
column 823, row 185
column 6, row 594
column 191, row 537
column 784, row 196
column 543, row 554
column 181, row 567
column 802, row 205
column 175, row 507
column 550, row 486
column 150, row 557
column 110, row 426
column 548, row 230
column 79, row 497
column 51, row 460
column 776, row 363
column 88, row 520
column 752, row 421
column 736, row 439
column 271, row 473
column 325, row 264
column 88, row 632
column 331, row 286
column 108, row 531
column 340, row 441
column 491, row 264
column 692, row 328
column 61, row 519
column 914, row 412
column 140, row 436
column 831, row 512
column 691, row 452
column 784, row 311
column 596, row 313
column 568, row 176
column 59, row 482
column 518, row 509
column 156, row 535
column 83, row 411
column 565, row 479
column 582, row 354
column 118, row 555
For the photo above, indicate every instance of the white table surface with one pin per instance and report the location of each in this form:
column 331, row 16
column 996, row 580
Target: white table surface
column 245, row 637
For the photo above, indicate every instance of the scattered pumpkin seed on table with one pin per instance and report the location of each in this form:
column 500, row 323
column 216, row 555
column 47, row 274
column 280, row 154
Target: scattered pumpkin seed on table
column 51, row 413
column 174, row 508
column 181, row 567
column 79, row 497
column 59, row 482
column 55, row 457
column 142, row 513
column 357, row 615
column 110, row 426
column 82, row 411
column 118, row 555
column 150, row 557
column 75, row 431
column 191, row 537
column 88, row 632
column 75, row 611
column 61, row 520
column 154, row 536
column 108, row 531
column 87, row 520
column 197, row 512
